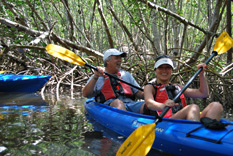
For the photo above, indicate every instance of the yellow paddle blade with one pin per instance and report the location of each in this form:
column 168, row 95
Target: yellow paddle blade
column 3, row 71
column 1, row 116
column 139, row 142
column 223, row 43
column 64, row 54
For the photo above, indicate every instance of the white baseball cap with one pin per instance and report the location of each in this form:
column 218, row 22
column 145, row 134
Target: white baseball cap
column 163, row 61
column 115, row 52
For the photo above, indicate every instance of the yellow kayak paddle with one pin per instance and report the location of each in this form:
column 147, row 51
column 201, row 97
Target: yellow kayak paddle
column 69, row 56
column 142, row 139
column 3, row 71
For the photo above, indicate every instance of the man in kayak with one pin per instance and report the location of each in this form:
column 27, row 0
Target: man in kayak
column 159, row 94
column 108, row 90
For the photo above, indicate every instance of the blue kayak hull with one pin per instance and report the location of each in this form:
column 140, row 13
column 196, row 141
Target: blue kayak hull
column 22, row 83
column 174, row 136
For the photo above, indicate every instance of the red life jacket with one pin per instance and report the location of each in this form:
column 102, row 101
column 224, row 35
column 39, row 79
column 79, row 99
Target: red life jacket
column 112, row 89
column 162, row 96
column 163, row 93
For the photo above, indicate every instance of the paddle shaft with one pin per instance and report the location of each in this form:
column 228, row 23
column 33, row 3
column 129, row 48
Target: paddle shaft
column 214, row 53
column 112, row 76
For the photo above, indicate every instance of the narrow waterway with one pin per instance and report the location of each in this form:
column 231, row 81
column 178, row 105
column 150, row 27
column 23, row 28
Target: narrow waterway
column 32, row 124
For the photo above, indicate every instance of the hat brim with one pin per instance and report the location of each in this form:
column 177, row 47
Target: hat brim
column 164, row 61
column 123, row 54
column 113, row 52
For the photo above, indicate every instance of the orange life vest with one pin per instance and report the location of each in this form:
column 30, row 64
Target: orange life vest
column 163, row 93
column 112, row 89
column 162, row 96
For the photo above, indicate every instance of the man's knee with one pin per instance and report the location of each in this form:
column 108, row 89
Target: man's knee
column 118, row 104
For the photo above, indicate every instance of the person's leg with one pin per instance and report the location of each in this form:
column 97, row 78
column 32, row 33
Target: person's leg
column 190, row 112
column 118, row 104
column 142, row 108
column 213, row 110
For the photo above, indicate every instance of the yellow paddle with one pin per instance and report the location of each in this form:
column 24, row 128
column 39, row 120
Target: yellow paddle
column 140, row 141
column 69, row 56
column 1, row 116
column 3, row 71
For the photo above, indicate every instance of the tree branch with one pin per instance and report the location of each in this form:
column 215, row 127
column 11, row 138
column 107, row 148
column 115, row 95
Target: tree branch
column 178, row 17
column 20, row 27
column 105, row 24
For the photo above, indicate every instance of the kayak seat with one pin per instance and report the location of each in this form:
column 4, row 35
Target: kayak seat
column 212, row 123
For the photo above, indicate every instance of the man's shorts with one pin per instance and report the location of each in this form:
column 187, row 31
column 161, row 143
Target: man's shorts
column 130, row 106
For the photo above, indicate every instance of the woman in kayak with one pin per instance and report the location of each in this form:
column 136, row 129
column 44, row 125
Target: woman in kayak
column 159, row 94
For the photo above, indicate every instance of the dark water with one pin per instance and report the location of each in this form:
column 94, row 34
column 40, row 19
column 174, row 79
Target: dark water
column 32, row 124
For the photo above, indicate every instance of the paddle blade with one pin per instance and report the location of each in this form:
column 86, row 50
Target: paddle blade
column 3, row 71
column 223, row 43
column 64, row 54
column 139, row 142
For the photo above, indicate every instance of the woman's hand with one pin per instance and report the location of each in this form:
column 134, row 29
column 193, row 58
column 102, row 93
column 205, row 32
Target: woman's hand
column 204, row 66
column 169, row 103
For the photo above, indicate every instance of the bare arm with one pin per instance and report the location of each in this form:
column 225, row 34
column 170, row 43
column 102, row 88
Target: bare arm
column 87, row 91
column 140, row 94
column 203, row 90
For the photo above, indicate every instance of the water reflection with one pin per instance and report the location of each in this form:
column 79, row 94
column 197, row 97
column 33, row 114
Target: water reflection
column 35, row 125
column 108, row 142
column 31, row 125
column 21, row 103
column 102, row 141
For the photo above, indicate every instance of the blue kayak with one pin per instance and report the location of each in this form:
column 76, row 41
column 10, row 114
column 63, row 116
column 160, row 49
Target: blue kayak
column 174, row 136
column 22, row 83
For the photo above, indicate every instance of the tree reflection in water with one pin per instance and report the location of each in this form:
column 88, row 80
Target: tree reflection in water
column 32, row 125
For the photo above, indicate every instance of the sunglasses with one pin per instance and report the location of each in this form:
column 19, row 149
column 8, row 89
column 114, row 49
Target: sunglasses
column 162, row 56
